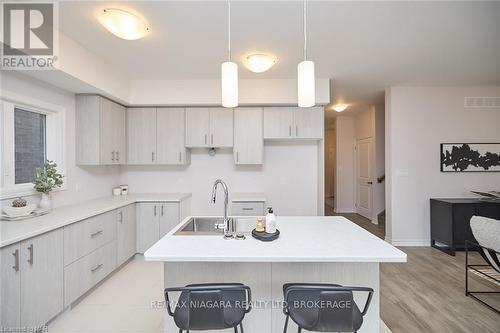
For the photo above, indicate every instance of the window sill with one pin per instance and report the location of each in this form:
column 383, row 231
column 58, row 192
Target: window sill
column 23, row 191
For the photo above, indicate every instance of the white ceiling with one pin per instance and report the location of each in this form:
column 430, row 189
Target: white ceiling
column 363, row 47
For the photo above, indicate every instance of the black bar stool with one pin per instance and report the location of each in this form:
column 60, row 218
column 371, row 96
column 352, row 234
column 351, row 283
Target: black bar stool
column 324, row 307
column 210, row 306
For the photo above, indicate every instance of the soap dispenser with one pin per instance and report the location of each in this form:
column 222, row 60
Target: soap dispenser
column 270, row 221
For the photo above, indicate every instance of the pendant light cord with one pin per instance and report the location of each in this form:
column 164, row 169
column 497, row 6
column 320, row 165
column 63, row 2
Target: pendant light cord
column 229, row 29
column 305, row 30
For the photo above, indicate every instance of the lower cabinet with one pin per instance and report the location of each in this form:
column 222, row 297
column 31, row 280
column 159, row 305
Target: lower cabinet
column 155, row 220
column 32, row 281
column 125, row 234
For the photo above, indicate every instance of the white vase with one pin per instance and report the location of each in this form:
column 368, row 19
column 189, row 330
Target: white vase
column 45, row 202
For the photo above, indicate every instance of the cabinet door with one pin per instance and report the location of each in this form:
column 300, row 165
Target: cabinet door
column 42, row 281
column 10, row 286
column 126, row 233
column 141, row 136
column 169, row 217
column 120, row 136
column 170, row 129
column 107, row 139
column 308, row 123
column 221, row 127
column 278, row 123
column 197, row 127
column 248, row 136
column 148, row 231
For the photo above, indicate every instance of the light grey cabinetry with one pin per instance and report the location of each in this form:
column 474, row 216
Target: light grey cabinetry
column 10, row 286
column 32, row 280
column 125, row 234
column 155, row 219
column 248, row 136
column 141, row 135
column 293, row 123
column 209, row 127
column 248, row 208
column 100, row 131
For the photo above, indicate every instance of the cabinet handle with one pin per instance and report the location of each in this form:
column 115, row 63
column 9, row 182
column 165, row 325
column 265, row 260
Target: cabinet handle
column 96, row 268
column 121, row 217
column 30, row 250
column 113, row 156
column 237, row 156
column 180, row 156
column 155, row 210
column 95, row 234
column 296, row 130
column 205, row 139
column 212, row 138
column 118, row 156
column 152, row 156
column 161, row 210
column 16, row 260
column 246, row 208
column 290, row 130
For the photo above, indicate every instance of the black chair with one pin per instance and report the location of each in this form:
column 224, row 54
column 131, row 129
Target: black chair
column 321, row 307
column 210, row 306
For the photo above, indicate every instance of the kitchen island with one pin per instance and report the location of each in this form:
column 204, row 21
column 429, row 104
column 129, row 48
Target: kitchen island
column 309, row 249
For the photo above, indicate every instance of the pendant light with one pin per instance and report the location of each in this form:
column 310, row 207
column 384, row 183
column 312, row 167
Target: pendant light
column 229, row 71
column 305, row 74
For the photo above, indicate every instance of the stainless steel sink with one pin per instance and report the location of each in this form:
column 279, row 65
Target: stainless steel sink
column 207, row 226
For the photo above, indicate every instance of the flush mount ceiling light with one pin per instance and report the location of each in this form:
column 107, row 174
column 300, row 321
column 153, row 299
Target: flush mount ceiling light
column 259, row 62
column 123, row 24
column 340, row 107
column 229, row 71
column 305, row 74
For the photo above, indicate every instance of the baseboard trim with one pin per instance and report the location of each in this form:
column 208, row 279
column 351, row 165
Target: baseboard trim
column 411, row 242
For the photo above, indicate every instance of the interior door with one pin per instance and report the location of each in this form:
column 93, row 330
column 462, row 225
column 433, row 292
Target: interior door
column 42, row 278
column 141, row 136
column 364, row 181
column 221, row 127
column 197, row 127
column 170, row 136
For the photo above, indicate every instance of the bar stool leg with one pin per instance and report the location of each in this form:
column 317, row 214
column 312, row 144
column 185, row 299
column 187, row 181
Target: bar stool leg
column 300, row 330
column 286, row 324
column 241, row 327
column 235, row 329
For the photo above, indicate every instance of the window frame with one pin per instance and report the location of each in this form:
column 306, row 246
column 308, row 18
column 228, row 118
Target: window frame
column 55, row 136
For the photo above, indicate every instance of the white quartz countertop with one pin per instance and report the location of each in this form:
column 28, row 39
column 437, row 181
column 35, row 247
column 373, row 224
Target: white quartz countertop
column 15, row 231
column 302, row 239
column 248, row 197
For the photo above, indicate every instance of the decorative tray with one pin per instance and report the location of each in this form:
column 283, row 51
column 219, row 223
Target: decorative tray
column 37, row 212
column 264, row 236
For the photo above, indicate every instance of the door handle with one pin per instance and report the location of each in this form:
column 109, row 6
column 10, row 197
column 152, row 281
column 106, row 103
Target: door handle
column 16, row 260
column 369, row 183
column 30, row 250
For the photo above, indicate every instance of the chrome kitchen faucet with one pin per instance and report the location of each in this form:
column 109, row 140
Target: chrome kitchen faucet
column 228, row 224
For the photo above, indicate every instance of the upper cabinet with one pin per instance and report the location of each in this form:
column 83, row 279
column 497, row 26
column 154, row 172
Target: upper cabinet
column 156, row 136
column 293, row 123
column 209, row 127
column 248, row 136
column 100, row 131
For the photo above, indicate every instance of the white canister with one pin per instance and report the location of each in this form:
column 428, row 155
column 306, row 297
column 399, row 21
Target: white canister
column 117, row 190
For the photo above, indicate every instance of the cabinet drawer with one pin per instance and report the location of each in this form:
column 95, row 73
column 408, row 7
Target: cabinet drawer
column 248, row 208
column 86, row 272
column 84, row 237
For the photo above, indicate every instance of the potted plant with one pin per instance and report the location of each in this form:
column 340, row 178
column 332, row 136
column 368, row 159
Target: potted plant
column 47, row 179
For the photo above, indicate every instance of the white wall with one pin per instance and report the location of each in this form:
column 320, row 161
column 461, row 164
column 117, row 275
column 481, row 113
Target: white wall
column 379, row 188
column 288, row 177
column 418, row 119
column 82, row 184
column 344, row 173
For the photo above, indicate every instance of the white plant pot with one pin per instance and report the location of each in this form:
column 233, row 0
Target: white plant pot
column 45, row 202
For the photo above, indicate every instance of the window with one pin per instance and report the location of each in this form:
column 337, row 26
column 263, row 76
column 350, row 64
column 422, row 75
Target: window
column 33, row 131
column 29, row 144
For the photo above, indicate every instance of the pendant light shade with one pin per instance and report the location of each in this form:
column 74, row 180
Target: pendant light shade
column 229, row 71
column 306, row 84
column 229, row 75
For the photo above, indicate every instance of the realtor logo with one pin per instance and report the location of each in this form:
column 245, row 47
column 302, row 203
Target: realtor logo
column 29, row 35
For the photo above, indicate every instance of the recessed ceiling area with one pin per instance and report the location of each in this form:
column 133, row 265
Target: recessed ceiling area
column 363, row 47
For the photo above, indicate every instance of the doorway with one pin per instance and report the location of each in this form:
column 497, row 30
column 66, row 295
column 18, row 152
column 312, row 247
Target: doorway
column 329, row 167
